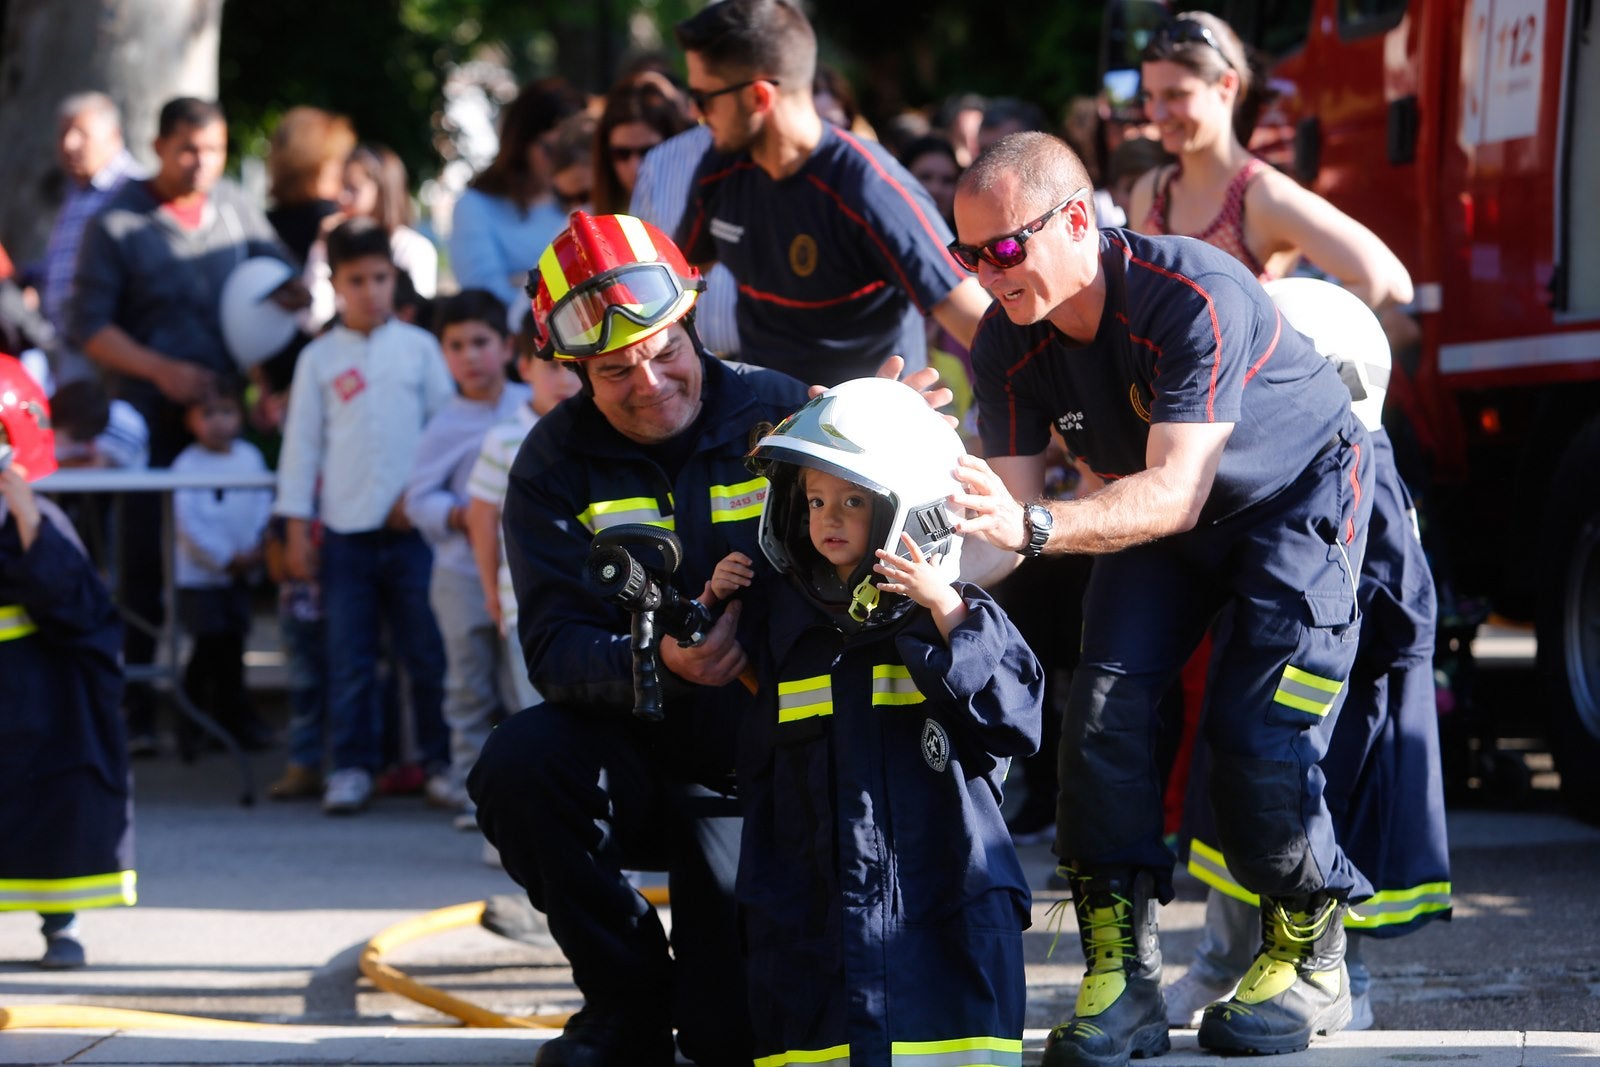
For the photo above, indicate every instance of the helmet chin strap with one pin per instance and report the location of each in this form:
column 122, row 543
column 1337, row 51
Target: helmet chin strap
column 864, row 600
column 687, row 322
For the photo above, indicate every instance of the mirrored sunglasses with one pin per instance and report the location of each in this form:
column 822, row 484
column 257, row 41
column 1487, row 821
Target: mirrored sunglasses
column 1008, row 250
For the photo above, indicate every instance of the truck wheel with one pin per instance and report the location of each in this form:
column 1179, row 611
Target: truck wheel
column 1568, row 625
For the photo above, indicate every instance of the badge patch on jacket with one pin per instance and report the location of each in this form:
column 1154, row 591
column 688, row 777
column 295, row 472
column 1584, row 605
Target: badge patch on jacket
column 349, row 385
column 935, row 745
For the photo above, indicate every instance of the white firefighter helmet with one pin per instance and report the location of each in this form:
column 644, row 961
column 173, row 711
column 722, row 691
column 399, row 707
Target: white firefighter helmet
column 881, row 435
column 1347, row 334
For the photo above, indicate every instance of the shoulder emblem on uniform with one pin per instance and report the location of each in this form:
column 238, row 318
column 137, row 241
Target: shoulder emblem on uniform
column 1140, row 408
column 803, row 255
column 935, row 745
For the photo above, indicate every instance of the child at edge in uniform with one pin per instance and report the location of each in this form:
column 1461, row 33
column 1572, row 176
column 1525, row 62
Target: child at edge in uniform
column 63, row 749
column 883, row 900
column 362, row 393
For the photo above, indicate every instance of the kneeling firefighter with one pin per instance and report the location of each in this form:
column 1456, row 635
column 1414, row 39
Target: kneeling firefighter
column 577, row 790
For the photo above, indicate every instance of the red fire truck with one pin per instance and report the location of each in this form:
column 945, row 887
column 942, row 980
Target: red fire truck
column 1466, row 133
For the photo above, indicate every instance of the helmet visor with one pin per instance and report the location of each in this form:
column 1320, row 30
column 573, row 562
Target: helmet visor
column 582, row 321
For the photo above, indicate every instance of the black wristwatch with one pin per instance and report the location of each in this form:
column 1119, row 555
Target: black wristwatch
column 1036, row 523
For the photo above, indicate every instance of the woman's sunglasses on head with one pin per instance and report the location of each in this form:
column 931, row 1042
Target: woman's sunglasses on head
column 1175, row 32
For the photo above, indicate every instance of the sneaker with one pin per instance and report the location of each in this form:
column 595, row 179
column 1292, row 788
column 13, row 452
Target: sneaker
column 143, row 745
column 515, row 917
column 466, row 821
column 442, row 792
column 1188, row 996
column 349, row 791
column 1360, row 1013
column 297, row 783
column 62, row 952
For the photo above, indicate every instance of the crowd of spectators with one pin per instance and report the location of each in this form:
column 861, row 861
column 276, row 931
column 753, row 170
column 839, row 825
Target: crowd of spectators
column 393, row 411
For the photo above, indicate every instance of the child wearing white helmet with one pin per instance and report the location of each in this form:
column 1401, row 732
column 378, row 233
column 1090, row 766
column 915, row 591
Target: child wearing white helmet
column 882, row 898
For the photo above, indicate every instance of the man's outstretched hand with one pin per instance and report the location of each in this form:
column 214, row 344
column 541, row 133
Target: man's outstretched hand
column 925, row 381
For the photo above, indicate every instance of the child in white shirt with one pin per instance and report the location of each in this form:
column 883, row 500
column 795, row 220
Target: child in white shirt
column 218, row 551
column 361, row 395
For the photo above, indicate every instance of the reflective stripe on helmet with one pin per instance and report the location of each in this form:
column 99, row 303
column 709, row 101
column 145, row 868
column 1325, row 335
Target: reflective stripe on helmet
column 644, row 249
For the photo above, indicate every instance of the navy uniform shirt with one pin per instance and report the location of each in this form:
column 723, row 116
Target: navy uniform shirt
column 1187, row 335
column 837, row 263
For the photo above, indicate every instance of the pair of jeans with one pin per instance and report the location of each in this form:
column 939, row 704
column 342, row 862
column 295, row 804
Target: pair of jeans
column 478, row 686
column 305, row 652
column 371, row 581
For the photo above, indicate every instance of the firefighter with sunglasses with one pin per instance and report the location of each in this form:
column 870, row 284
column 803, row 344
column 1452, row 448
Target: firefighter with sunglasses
column 578, row 789
column 1236, row 477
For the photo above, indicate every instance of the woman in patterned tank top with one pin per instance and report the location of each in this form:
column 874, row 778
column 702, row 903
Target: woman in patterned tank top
column 1196, row 80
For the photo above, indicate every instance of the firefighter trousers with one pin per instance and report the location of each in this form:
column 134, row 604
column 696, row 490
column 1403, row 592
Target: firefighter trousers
column 1286, row 567
column 574, row 796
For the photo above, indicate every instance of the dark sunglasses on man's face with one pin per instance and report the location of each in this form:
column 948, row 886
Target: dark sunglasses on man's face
column 703, row 97
column 1007, row 251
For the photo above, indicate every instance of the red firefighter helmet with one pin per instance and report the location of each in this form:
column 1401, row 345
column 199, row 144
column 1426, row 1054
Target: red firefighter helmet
column 607, row 282
column 26, row 438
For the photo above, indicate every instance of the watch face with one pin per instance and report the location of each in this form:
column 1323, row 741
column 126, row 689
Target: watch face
column 1039, row 520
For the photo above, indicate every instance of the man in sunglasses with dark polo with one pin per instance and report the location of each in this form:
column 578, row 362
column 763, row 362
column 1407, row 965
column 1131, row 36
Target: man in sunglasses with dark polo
column 838, row 251
column 1237, row 490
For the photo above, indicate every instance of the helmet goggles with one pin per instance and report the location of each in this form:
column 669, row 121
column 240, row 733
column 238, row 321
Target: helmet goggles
column 582, row 322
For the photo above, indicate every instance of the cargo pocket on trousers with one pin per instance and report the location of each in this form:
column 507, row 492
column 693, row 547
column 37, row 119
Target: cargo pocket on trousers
column 1309, row 686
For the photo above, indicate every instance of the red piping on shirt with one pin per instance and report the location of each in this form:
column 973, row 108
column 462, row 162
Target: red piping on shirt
column 774, row 298
column 1216, row 328
column 855, row 217
column 1271, row 348
column 909, row 199
column 1011, row 394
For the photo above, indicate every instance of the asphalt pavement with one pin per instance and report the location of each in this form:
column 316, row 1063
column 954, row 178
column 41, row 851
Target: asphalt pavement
column 259, row 915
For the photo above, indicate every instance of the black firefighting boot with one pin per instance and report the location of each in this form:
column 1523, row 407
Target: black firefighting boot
column 609, row 1037
column 1119, row 1013
column 1298, row 985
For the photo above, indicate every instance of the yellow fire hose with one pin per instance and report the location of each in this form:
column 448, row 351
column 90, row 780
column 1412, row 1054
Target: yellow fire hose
column 386, row 977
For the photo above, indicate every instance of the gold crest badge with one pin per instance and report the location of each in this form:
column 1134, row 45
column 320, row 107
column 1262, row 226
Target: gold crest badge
column 803, row 255
column 1140, row 408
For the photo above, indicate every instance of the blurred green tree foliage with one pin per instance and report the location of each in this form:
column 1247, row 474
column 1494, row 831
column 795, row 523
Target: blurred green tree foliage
column 384, row 62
